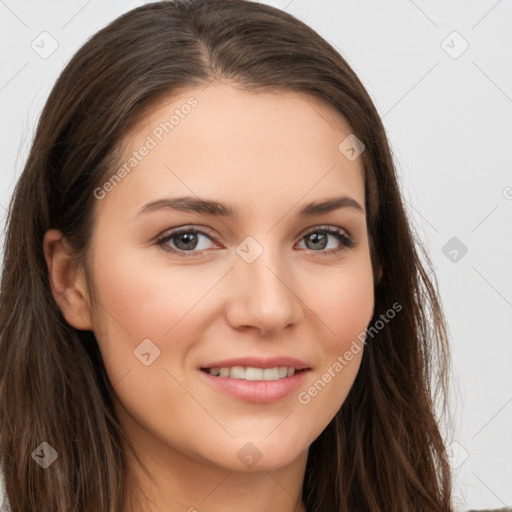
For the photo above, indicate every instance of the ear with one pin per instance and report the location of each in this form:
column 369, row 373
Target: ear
column 67, row 282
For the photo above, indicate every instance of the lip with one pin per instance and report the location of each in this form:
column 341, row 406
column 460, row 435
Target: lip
column 257, row 391
column 259, row 362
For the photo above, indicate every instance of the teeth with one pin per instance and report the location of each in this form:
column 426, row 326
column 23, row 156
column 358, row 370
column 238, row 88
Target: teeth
column 251, row 373
column 237, row 372
column 273, row 373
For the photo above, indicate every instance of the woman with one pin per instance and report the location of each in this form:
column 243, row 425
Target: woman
column 211, row 294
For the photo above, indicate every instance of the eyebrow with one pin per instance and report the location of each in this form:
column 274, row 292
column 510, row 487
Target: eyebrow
column 210, row 207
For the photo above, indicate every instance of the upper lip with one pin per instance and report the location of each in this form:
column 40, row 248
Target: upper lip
column 259, row 362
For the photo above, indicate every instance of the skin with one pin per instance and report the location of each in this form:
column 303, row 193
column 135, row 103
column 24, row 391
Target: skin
column 268, row 154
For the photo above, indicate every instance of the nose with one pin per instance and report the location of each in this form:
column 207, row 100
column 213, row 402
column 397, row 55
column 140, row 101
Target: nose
column 263, row 295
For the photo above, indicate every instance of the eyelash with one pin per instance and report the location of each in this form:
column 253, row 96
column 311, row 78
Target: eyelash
column 346, row 241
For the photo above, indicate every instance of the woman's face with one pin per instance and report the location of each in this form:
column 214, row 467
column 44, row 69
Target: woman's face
column 265, row 285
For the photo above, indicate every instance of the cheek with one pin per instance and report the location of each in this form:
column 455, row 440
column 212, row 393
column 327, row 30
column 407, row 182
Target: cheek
column 147, row 314
column 345, row 304
column 140, row 298
column 145, row 297
column 343, row 299
column 133, row 303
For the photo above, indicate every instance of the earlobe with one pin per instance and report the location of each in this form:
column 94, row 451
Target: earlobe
column 67, row 282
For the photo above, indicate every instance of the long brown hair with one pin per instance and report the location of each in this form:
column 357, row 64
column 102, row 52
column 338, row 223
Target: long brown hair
column 383, row 451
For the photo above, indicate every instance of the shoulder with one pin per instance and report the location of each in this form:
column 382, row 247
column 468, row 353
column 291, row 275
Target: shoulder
column 489, row 510
column 4, row 502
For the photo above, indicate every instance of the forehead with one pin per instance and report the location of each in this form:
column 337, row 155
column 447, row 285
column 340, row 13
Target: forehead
column 221, row 140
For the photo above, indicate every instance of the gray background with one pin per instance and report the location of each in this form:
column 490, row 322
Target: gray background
column 447, row 110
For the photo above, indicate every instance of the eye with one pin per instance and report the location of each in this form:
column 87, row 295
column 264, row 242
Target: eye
column 184, row 240
column 318, row 239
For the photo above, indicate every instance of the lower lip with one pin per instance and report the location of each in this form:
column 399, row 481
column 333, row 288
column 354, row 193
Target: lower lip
column 258, row 391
